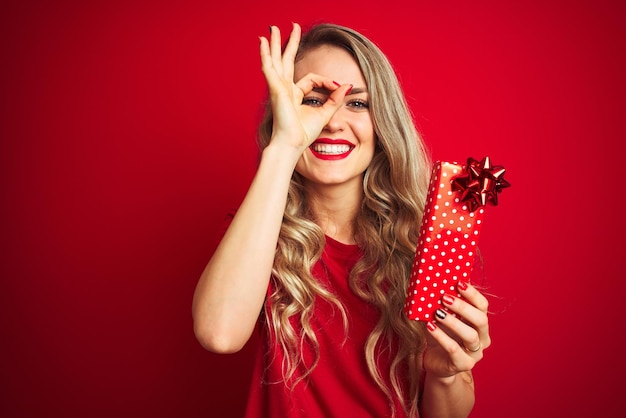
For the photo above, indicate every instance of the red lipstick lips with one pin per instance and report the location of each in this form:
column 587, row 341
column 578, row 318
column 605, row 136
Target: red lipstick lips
column 331, row 149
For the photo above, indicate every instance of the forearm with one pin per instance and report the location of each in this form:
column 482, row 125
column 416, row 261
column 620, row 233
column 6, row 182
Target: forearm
column 230, row 293
column 447, row 397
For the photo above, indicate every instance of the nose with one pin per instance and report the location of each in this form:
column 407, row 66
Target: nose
column 336, row 123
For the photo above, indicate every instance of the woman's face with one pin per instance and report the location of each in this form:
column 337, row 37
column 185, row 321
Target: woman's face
column 346, row 145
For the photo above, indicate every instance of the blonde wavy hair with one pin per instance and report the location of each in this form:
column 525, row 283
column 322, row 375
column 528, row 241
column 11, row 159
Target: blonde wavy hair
column 386, row 226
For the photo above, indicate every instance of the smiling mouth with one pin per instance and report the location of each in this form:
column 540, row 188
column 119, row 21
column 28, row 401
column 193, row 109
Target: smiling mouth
column 331, row 149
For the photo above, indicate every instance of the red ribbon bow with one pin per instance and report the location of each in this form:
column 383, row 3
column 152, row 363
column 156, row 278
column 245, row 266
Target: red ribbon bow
column 480, row 184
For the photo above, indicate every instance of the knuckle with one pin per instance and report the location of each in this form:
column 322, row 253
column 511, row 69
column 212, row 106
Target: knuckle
column 487, row 342
column 484, row 305
column 482, row 321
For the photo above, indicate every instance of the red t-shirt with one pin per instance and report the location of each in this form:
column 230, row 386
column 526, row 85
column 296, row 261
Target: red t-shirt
column 340, row 385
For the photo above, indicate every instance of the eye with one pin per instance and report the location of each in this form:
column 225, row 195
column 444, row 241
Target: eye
column 312, row 101
column 358, row 104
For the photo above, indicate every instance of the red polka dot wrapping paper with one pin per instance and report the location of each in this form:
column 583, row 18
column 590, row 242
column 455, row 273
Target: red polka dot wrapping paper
column 446, row 247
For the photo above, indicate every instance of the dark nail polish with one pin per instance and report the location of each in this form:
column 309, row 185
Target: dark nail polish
column 440, row 313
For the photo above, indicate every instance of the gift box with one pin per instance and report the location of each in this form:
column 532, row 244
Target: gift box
column 451, row 225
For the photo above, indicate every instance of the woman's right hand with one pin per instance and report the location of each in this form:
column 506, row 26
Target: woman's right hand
column 295, row 124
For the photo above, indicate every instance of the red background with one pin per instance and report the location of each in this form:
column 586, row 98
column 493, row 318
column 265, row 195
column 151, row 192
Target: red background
column 127, row 130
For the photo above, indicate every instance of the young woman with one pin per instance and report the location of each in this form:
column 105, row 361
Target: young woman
column 318, row 256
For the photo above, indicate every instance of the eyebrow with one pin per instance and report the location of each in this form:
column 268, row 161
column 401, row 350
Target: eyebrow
column 356, row 90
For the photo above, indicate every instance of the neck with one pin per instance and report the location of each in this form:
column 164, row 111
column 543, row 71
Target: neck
column 335, row 209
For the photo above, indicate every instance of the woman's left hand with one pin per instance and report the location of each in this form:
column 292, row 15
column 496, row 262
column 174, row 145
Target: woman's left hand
column 459, row 335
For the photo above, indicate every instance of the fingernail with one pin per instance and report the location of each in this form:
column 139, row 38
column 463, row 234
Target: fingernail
column 336, row 84
column 440, row 313
column 270, row 28
column 448, row 300
column 350, row 89
column 431, row 326
column 462, row 285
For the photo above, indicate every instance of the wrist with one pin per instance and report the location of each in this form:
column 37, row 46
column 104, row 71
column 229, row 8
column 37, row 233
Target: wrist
column 284, row 153
column 442, row 380
column 465, row 377
column 279, row 159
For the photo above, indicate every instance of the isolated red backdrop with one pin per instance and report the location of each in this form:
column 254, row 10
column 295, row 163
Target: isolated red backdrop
column 127, row 131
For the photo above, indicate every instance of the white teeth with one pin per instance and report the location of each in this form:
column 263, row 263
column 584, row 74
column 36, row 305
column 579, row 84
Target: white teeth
column 331, row 148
